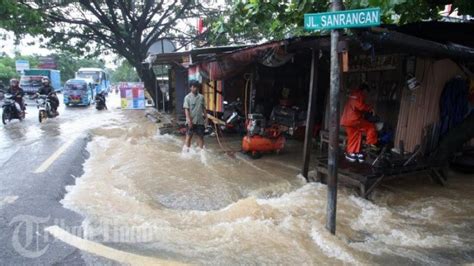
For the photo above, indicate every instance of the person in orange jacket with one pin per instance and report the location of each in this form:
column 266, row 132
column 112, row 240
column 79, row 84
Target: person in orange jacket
column 354, row 123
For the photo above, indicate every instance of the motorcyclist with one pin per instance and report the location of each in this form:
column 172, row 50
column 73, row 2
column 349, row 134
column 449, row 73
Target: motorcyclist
column 100, row 101
column 47, row 90
column 15, row 89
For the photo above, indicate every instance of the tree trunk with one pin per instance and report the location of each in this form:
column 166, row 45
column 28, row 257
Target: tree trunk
column 454, row 140
column 149, row 79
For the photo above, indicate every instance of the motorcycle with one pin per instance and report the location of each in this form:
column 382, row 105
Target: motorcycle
column 11, row 109
column 43, row 103
column 233, row 117
column 100, row 101
column 290, row 118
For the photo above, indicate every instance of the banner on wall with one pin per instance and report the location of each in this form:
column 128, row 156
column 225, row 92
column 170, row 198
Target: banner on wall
column 132, row 95
column 194, row 73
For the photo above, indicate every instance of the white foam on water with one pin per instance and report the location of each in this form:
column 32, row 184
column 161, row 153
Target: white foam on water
column 331, row 246
column 425, row 213
column 371, row 217
column 301, row 178
column 203, row 155
column 207, row 208
column 169, row 138
column 7, row 200
column 412, row 238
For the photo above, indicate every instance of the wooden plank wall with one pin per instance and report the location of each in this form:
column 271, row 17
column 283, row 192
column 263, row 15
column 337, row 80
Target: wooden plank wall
column 385, row 83
column 420, row 108
column 212, row 97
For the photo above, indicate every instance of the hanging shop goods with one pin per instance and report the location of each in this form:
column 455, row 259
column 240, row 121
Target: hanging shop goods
column 261, row 139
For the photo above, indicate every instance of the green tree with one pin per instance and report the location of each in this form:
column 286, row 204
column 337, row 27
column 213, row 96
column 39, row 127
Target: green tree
column 6, row 73
column 254, row 20
column 8, row 66
column 126, row 27
column 125, row 72
column 19, row 18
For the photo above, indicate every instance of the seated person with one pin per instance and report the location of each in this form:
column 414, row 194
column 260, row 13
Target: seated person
column 354, row 123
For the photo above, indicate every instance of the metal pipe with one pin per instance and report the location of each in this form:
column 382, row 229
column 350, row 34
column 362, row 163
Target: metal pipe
column 419, row 45
column 252, row 90
column 311, row 112
column 162, row 76
column 333, row 126
column 156, row 95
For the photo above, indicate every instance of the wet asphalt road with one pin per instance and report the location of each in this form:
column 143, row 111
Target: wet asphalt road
column 37, row 162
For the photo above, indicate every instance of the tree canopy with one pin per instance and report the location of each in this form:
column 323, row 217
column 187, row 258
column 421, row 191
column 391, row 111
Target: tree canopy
column 8, row 68
column 125, row 72
column 129, row 28
column 255, row 20
column 125, row 27
column 20, row 19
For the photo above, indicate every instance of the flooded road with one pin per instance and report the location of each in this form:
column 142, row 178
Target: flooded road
column 72, row 122
column 37, row 162
column 140, row 193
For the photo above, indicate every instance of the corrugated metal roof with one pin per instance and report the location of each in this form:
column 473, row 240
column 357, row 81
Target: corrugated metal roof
column 440, row 35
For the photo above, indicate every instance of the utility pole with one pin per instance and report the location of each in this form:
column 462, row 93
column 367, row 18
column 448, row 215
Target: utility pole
column 333, row 150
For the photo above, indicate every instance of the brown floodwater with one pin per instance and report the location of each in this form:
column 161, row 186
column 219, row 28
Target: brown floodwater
column 204, row 207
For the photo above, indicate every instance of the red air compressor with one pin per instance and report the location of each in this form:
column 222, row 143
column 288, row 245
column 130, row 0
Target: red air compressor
column 260, row 139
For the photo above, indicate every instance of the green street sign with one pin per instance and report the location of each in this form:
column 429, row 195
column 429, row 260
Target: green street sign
column 355, row 18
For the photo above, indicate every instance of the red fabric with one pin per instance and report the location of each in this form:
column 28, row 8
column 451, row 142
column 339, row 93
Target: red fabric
column 230, row 64
column 200, row 26
column 354, row 123
column 355, row 108
column 354, row 136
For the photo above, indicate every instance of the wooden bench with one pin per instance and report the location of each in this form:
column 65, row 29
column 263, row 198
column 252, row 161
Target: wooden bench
column 324, row 139
column 366, row 178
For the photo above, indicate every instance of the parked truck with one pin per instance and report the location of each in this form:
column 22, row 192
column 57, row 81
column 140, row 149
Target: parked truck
column 30, row 81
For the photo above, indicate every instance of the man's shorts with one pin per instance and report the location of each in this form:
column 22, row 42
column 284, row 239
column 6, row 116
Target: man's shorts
column 196, row 129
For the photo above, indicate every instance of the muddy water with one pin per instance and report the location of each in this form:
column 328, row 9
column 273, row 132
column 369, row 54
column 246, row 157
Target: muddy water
column 204, row 207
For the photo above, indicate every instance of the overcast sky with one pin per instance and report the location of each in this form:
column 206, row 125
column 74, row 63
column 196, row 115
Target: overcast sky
column 25, row 47
column 31, row 46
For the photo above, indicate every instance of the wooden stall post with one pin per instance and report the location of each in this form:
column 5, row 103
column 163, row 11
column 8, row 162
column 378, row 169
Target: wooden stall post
column 311, row 112
column 253, row 90
column 333, row 126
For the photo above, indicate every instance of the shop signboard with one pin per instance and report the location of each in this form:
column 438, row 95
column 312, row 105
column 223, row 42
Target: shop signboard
column 47, row 62
column 355, row 18
column 132, row 95
column 22, row 65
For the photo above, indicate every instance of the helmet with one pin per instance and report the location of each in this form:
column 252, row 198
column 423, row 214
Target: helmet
column 14, row 82
column 45, row 80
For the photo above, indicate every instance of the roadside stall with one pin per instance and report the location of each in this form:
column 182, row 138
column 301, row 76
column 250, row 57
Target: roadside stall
column 414, row 84
column 287, row 84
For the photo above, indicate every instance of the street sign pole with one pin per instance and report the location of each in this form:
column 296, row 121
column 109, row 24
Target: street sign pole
column 333, row 149
column 355, row 18
column 335, row 20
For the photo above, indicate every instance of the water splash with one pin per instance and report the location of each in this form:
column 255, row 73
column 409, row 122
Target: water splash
column 205, row 207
